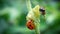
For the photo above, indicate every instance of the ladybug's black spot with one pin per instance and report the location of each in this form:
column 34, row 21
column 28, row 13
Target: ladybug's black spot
column 29, row 25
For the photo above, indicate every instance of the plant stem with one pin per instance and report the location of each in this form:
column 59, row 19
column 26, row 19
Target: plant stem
column 28, row 5
column 37, row 29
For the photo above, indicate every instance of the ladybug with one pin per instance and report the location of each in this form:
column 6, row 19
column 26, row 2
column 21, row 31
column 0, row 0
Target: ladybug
column 42, row 10
column 30, row 25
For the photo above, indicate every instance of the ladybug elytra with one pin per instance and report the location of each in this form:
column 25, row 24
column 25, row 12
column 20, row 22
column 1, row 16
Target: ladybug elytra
column 30, row 25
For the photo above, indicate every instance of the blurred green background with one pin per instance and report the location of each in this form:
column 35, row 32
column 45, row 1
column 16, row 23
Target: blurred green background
column 13, row 17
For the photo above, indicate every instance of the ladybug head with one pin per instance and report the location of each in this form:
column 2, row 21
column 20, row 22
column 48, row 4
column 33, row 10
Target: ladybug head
column 42, row 10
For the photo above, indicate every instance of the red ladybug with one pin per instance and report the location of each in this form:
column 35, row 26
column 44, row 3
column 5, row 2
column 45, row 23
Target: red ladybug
column 30, row 24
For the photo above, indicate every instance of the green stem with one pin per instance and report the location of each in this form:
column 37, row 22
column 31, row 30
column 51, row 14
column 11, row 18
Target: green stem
column 37, row 29
column 28, row 5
